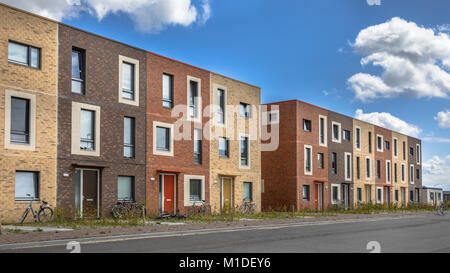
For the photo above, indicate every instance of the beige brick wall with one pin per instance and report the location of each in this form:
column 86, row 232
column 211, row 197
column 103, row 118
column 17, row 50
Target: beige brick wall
column 36, row 31
column 236, row 92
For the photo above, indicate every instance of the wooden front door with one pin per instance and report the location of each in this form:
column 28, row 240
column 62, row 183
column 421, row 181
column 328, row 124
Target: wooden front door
column 87, row 186
column 169, row 193
column 227, row 197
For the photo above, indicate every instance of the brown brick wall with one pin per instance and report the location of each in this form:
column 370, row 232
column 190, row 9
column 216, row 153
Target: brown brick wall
column 412, row 142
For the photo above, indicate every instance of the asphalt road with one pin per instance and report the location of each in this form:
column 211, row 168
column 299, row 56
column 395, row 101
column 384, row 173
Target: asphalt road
column 425, row 233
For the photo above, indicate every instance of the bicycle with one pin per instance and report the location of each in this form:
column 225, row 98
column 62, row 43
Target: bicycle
column 43, row 215
column 247, row 208
column 440, row 209
column 126, row 208
column 200, row 207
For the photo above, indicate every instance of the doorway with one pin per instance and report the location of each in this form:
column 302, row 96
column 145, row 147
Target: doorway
column 87, row 192
column 387, row 195
column 368, row 194
column 318, row 199
column 167, row 193
column 345, row 195
column 227, row 194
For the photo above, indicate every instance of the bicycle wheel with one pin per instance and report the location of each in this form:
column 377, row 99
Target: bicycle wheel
column 119, row 211
column 45, row 215
column 24, row 216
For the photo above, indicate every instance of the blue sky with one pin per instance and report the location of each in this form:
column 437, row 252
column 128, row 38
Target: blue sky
column 292, row 50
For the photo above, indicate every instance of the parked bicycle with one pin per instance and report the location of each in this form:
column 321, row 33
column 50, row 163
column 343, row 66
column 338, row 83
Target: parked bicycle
column 128, row 208
column 440, row 209
column 43, row 215
column 247, row 208
column 200, row 207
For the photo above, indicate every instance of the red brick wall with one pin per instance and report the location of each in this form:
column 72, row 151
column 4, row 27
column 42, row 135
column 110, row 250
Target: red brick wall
column 383, row 157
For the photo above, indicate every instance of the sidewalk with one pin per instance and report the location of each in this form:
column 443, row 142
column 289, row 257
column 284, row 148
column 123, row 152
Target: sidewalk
column 49, row 235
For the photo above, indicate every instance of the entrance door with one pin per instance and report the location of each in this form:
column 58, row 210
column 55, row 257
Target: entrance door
column 87, row 199
column 227, row 194
column 168, row 184
column 368, row 194
column 403, row 191
column 387, row 198
column 345, row 195
column 417, row 195
column 318, row 198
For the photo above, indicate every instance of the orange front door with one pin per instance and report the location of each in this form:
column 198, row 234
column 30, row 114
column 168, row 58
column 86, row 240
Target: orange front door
column 169, row 194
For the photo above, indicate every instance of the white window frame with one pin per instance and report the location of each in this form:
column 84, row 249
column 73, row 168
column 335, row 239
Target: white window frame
column 345, row 165
column 382, row 143
column 216, row 105
column 172, row 147
column 76, row 128
column 370, row 168
column 304, row 159
column 199, row 99
column 325, row 125
column 187, row 192
column 411, row 178
column 265, row 117
column 382, row 194
column 339, row 193
column 395, row 151
column 31, row 146
column 388, row 175
column 135, row 62
column 356, row 137
column 339, row 140
column 248, row 153
column 418, row 154
column 403, row 173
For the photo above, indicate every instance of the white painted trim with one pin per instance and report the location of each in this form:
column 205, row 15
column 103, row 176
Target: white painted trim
column 418, row 155
column 265, row 117
column 216, row 106
column 248, row 154
column 171, row 142
column 325, row 131
column 199, row 99
column 382, row 143
column 123, row 59
column 76, row 128
column 395, row 144
column 311, row 158
column 388, row 163
column 31, row 146
column 411, row 176
column 339, row 132
column 339, row 193
column 370, row 166
column 345, row 165
column 360, row 138
column 403, row 173
column 187, row 178
column 382, row 194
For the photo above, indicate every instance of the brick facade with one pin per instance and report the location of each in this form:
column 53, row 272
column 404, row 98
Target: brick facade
column 415, row 160
column 384, row 156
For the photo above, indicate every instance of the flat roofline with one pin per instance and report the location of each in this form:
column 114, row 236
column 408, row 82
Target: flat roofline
column 431, row 188
column 233, row 79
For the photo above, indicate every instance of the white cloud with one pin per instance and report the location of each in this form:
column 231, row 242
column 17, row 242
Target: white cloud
column 436, row 172
column 443, row 119
column 148, row 15
column 386, row 120
column 415, row 61
column 436, row 139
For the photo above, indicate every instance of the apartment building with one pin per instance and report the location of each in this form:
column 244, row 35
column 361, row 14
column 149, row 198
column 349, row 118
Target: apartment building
column 383, row 165
column 399, row 168
column 28, row 111
column 101, row 123
column 178, row 160
column 432, row 196
column 363, row 154
column 235, row 156
column 340, row 158
column 296, row 174
column 414, row 169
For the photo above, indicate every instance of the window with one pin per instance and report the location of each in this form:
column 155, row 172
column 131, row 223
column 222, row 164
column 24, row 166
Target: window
column 431, row 196
column 379, row 195
column 395, row 173
column 128, row 137
column 411, row 151
column 411, row 196
column 335, row 193
column 417, row 153
column 334, row 163
column 378, row 169
column 388, row 171
column 336, row 132
column 193, row 99
column 322, row 131
column 358, row 168
column 167, row 99
column 20, row 120
column 439, row 197
column 411, row 174
column 306, row 193
column 370, row 142
column 417, row 174
column 195, row 193
column 396, row 195
column 128, row 81
column 358, row 138
column 244, row 151
column 368, row 194
column 379, row 143
column 125, row 188
column 245, row 110
column 320, row 163
column 308, row 163
column 395, row 147
column 306, row 125
column 27, row 186
column 197, row 146
column 368, row 168
column 346, row 135
column 359, row 194
column 248, row 192
column 87, row 132
column 128, row 78
column 221, row 104
column 78, row 71
column 24, row 55
column 162, row 138
column 224, row 147
column 387, row 145
column 273, row 117
column 403, row 172
column 348, row 166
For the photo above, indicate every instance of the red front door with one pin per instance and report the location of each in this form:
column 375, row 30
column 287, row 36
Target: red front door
column 169, row 194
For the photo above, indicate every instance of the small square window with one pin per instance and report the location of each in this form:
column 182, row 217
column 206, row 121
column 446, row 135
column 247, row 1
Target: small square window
column 306, row 195
column 195, row 190
column 387, row 145
column 125, row 188
column 162, row 138
column 248, row 192
column 245, row 110
column 306, row 125
column 346, row 135
column 320, row 163
column 27, row 186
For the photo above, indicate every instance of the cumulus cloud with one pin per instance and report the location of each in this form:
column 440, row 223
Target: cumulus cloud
column 389, row 121
column 436, row 172
column 415, row 61
column 148, row 15
column 443, row 119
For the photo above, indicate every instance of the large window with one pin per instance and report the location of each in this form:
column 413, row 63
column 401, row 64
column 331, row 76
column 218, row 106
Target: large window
column 417, row 153
column 167, row 91
column 308, row 157
column 370, row 141
column 24, row 55
column 128, row 77
column 305, row 193
column 379, row 195
column 87, row 130
column 322, row 131
column 358, row 138
column 378, row 169
column 128, row 137
column 125, row 188
column 359, row 194
column 358, row 168
column 195, row 190
column 128, row 81
column 379, row 143
column 197, row 146
column 334, row 194
column 411, row 174
column 244, row 151
column 248, row 192
column 306, row 125
column 388, row 171
column 348, row 166
column 221, row 106
column 395, row 173
column 224, row 147
column 320, row 160
column 20, row 120
column 404, row 150
column 78, row 71
column 193, row 99
column 27, row 186
column 162, row 138
column 368, row 168
column 334, row 163
column 395, row 147
column 403, row 172
column 336, row 132
column 245, row 110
